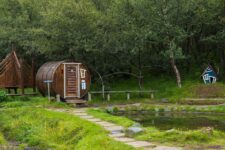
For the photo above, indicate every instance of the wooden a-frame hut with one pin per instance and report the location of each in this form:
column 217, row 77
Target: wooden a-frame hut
column 15, row 73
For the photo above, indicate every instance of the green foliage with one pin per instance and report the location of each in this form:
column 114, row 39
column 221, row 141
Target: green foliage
column 54, row 130
column 137, row 36
column 3, row 96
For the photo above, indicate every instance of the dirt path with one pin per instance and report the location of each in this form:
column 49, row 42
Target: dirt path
column 117, row 132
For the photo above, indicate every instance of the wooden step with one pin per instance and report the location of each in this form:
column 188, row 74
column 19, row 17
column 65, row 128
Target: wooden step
column 76, row 101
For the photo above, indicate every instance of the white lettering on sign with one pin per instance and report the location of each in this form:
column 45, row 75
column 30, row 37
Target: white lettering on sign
column 83, row 73
column 83, row 85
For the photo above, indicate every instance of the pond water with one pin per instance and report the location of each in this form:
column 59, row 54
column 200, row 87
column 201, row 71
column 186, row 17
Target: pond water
column 181, row 121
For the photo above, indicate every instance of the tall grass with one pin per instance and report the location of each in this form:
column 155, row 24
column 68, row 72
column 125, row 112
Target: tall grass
column 2, row 139
column 44, row 129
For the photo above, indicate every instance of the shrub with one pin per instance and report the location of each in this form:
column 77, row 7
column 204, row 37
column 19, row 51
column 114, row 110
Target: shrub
column 3, row 96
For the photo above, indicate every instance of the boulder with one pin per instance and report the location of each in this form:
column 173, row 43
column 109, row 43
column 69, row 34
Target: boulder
column 164, row 100
column 134, row 130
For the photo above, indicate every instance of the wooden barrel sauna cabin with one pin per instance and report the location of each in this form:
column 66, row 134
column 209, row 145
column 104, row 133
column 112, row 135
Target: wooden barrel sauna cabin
column 69, row 79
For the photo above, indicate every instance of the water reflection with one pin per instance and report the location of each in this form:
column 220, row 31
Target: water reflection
column 182, row 121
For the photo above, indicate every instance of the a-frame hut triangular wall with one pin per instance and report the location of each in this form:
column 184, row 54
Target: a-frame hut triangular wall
column 15, row 73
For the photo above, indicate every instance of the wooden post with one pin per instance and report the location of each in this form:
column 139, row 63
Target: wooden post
column 49, row 95
column 108, row 97
column 89, row 96
column 21, row 77
column 58, row 98
column 128, row 96
column 152, row 95
column 9, row 91
column 103, row 92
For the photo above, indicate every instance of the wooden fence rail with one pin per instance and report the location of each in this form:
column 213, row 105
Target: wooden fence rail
column 128, row 93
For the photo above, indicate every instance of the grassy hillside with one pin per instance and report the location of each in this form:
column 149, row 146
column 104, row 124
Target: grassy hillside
column 28, row 123
column 166, row 88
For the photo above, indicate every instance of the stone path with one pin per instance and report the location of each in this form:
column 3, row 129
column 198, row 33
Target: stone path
column 117, row 132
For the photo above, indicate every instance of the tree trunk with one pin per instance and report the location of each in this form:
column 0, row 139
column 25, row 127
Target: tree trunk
column 176, row 71
column 140, row 70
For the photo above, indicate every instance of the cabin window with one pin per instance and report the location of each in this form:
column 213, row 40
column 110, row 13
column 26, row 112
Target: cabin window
column 83, row 85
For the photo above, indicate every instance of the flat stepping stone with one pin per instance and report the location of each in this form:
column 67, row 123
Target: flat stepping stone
column 95, row 120
column 114, row 128
column 166, row 148
column 117, row 135
column 81, row 114
column 58, row 110
column 124, row 139
column 87, row 117
column 79, row 111
column 139, row 144
column 105, row 124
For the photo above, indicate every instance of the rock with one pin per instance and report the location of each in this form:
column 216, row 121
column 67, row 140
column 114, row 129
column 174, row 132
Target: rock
column 136, row 125
column 164, row 100
column 167, row 109
column 134, row 130
column 207, row 130
column 170, row 131
column 136, row 104
column 112, row 109
column 156, row 109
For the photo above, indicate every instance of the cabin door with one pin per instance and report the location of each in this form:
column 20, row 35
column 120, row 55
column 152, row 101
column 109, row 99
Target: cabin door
column 71, row 80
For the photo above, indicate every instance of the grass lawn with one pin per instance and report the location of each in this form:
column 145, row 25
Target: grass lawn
column 28, row 123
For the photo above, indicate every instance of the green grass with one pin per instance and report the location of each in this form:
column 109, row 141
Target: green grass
column 31, row 102
column 44, row 129
column 100, row 113
column 183, row 138
column 2, row 139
